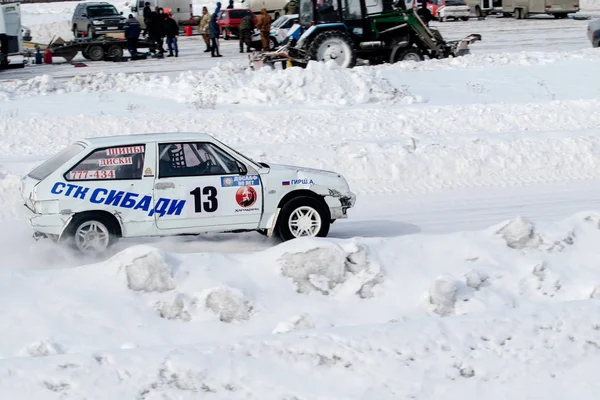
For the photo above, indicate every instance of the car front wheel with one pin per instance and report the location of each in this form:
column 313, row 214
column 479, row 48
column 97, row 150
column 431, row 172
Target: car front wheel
column 303, row 217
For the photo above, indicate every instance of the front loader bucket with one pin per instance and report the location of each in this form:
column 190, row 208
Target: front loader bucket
column 461, row 47
column 269, row 58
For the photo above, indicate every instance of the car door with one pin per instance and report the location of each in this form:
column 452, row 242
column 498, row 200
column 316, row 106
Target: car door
column 116, row 179
column 213, row 189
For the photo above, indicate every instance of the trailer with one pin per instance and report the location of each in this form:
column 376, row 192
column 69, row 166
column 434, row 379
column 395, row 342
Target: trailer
column 93, row 49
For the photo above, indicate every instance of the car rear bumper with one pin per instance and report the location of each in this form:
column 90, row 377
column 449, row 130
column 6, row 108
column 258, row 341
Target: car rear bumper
column 47, row 224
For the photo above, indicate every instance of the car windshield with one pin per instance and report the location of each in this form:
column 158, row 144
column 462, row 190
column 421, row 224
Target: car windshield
column 101, row 11
column 306, row 13
column 49, row 166
column 279, row 22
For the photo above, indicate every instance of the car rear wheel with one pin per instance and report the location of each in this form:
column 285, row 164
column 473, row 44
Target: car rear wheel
column 464, row 18
column 303, row 217
column 91, row 234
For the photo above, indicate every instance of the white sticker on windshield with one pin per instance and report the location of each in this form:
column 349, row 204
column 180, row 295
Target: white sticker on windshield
column 115, row 161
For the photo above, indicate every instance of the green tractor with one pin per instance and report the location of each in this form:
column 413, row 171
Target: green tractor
column 375, row 30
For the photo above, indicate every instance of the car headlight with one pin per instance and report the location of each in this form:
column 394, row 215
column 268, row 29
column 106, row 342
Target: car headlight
column 98, row 22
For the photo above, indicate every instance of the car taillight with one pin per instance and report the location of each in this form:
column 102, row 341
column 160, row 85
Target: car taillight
column 548, row 6
column 576, row 5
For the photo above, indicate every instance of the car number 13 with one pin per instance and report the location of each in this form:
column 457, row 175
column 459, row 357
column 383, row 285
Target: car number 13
column 211, row 203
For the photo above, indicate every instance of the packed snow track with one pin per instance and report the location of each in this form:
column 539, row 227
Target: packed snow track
column 468, row 267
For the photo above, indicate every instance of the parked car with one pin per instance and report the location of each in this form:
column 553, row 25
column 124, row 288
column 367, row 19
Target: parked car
column 279, row 29
column 96, row 19
column 230, row 20
column 163, row 184
column 443, row 10
column 593, row 32
column 26, row 33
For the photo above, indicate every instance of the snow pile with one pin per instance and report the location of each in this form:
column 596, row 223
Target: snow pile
column 227, row 84
column 297, row 285
column 533, row 353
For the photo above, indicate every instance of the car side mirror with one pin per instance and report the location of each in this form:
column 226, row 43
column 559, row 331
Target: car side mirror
column 84, row 15
column 121, row 13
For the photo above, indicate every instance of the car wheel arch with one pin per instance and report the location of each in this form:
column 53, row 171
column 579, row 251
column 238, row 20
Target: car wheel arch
column 116, row 221
column 303, row 193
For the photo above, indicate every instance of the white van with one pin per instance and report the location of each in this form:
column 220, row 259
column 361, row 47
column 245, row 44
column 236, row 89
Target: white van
column 180, row 9
column 274, row 7
column 523, row 8
column 10, row 29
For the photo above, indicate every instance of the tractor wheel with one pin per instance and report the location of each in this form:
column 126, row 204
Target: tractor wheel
column 95, row 53
column 334, row 46
column 406, row 54
column 85, row 55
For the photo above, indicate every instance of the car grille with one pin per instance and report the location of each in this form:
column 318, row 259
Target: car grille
column 111, row 22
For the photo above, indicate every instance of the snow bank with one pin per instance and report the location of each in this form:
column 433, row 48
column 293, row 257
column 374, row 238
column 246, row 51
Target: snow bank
column 548, row 353
column 297, row 285
column 228, row 84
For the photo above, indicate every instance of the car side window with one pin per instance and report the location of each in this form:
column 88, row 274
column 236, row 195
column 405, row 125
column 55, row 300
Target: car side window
column 194, row 159
column 112, row 163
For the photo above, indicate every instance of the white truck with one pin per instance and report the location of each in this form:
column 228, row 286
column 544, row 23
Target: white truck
column 521, row 9
column 180, row 9
column 11, row 42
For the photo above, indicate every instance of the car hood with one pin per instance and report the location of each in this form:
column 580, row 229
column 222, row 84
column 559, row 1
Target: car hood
column 293, row 176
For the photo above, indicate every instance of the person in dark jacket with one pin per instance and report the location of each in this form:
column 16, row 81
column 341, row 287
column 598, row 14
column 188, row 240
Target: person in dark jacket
column 172, row 31
column 132, row 34
column 214, row 32
column 147, row 12
column 246, row 28
column 156, row 30
column 424, row 13
column 230, row 6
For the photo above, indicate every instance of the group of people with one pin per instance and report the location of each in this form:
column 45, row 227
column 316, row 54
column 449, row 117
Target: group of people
column 159, row 25
column 210, row 30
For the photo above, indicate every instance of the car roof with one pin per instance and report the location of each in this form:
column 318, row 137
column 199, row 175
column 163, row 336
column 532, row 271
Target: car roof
column 124, row 140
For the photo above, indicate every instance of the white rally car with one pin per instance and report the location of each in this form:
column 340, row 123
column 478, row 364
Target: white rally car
column 97, row 190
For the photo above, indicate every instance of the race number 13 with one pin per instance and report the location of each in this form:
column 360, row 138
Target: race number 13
column 205, row 199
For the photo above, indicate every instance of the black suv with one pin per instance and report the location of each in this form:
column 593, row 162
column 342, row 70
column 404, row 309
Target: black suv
column 97, row 19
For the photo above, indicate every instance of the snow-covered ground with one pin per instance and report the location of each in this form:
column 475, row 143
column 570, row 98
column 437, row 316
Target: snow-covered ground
column 434, row 288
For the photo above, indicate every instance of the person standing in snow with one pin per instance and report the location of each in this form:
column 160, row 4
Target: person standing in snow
column 215, row 31
column 230, row 6
column 424, row 13
column 147, row 12
column 264, row 26
column 172, row 31
column 156, row 28
column 204, row 26
column 132, row 34
column 246, row 28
